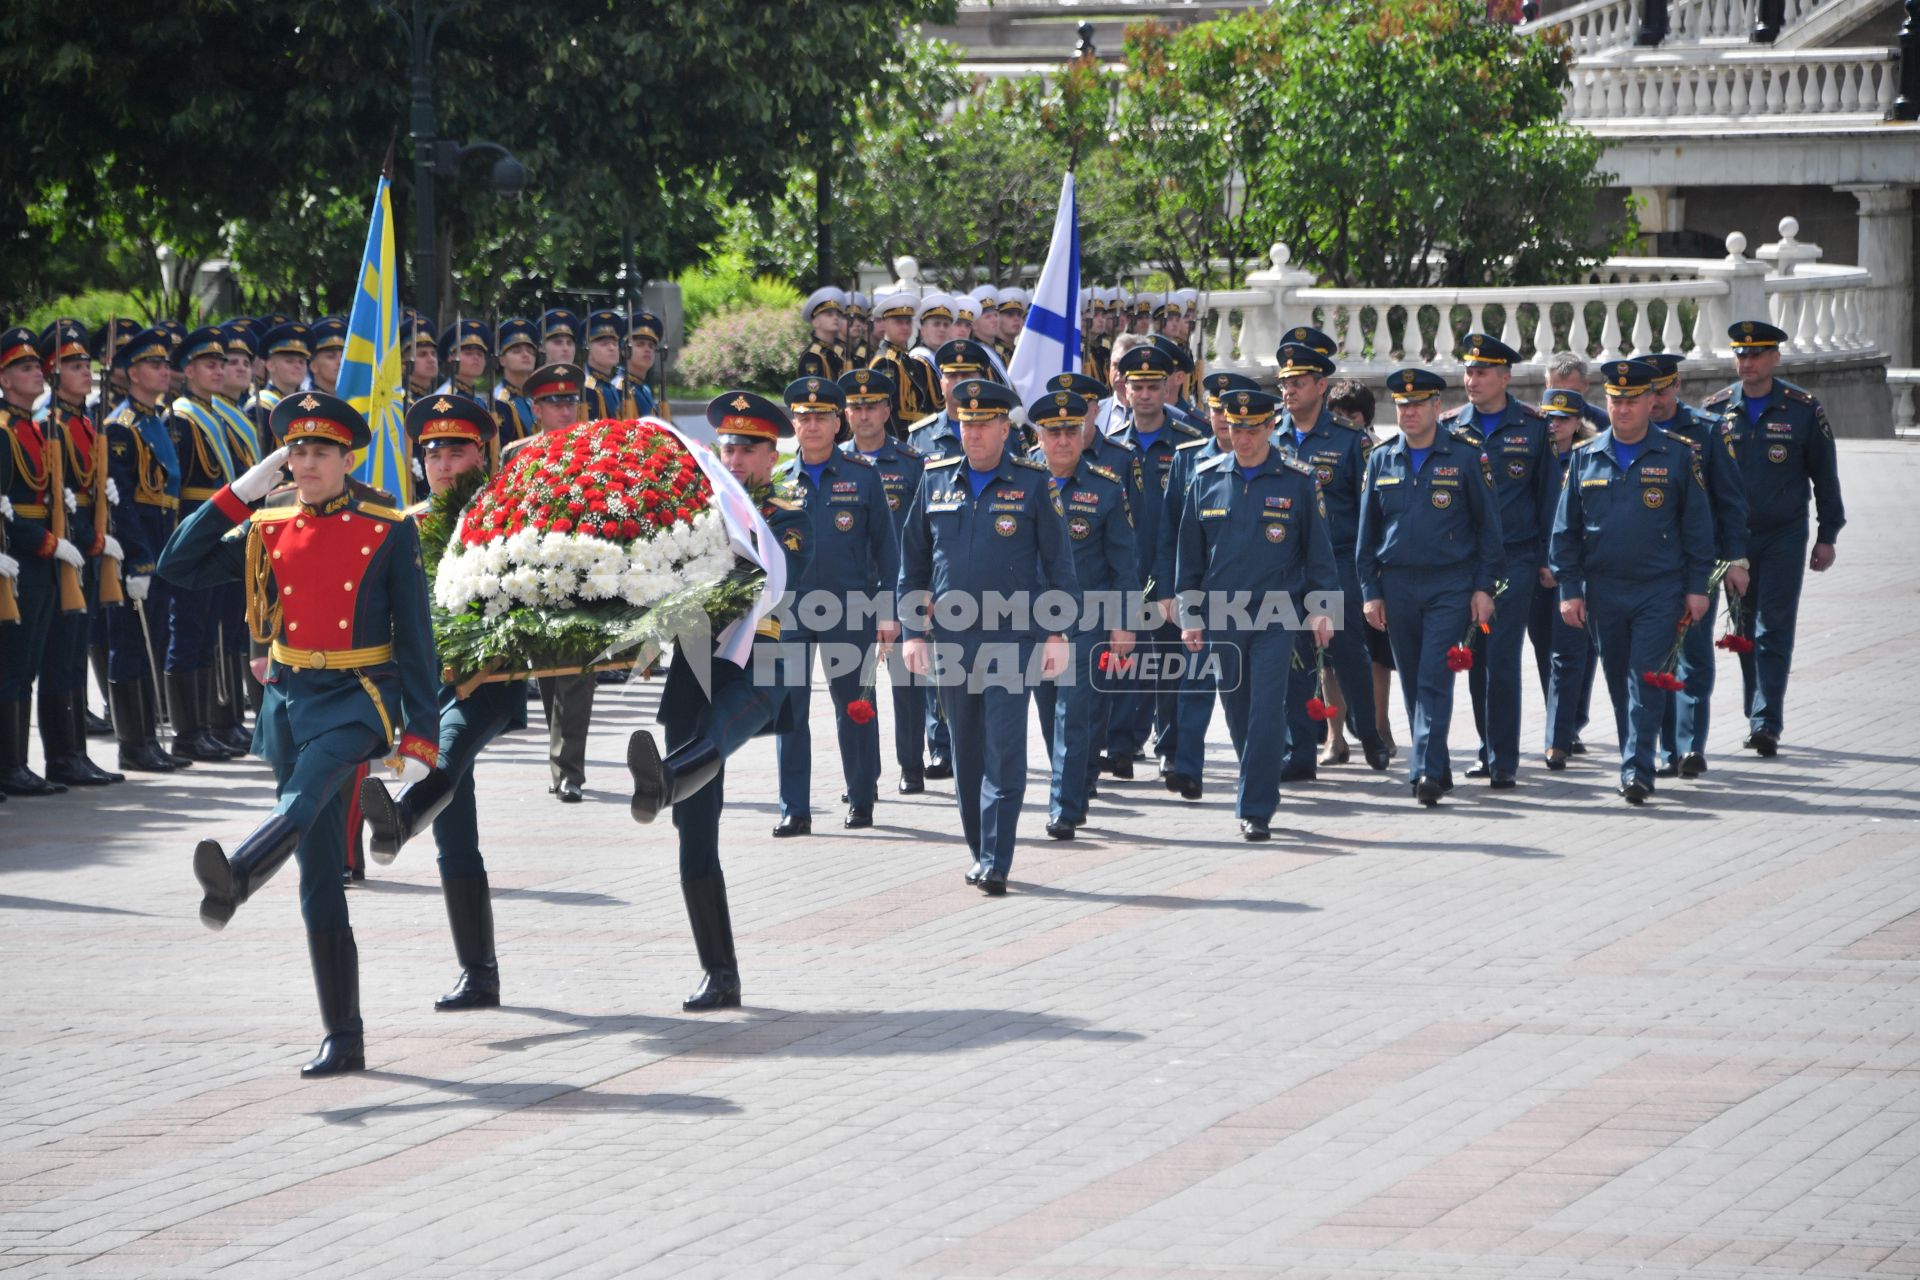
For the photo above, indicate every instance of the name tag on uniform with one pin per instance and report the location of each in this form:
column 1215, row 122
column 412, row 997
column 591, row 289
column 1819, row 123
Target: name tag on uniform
column 1383, row 482
column 943, row 506
column 1599, row 483
column 1005, row 506
column 1512, row 445
column 1213, row 513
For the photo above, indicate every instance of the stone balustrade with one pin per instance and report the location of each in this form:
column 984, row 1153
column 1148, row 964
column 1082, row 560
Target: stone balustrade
column 1609, row 26
column 1905, row 385
column 1728, row 85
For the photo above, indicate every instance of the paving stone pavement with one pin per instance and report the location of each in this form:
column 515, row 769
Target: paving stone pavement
column 1530, row 1034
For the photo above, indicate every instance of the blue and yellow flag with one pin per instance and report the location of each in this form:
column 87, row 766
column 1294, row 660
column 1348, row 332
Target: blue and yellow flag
column 370, row 369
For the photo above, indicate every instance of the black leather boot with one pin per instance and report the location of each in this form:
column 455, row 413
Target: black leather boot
column 470, row 915
column 336, row 977
column 138, row 750
column 63, row 732
column 98, row 726
column 659, row 784
column 397, row 817
column 184, row 703
column 220, row 708
column 228, row 882
column 150, row 709
column 234, row 734
column 713, row 940
column 15, row 778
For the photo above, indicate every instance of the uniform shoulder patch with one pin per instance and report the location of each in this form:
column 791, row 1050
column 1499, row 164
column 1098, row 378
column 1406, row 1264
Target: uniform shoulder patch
column 927, row 421
column 908, row 451
column 1186, row 430
column 1105, row 473
column 1798, row 394
column 1297, row 465
column 273, row 515
column 1191, row 444
column 1029, row 464
column 1722, row 396
column 1214, row 464
column 1531, row 410
column 123, row 418
column 952, row 460
column 1465, row 434
column 855, row 457
column 379, row 512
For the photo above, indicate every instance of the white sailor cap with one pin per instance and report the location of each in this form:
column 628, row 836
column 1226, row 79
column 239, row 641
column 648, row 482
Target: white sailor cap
column 936, row 305
column 825, row 298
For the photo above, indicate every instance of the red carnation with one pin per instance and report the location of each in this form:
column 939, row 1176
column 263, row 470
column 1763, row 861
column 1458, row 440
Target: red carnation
column 1459, row 658
column 629, row 528
column 860, row 711
column 575, row 507
column 1319, row 710
column 1733, row 643
column 563, row 525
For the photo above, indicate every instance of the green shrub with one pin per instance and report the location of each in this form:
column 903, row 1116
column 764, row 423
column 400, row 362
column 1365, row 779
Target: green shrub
column 94, row 308
column 727, row 282
column 752, row 347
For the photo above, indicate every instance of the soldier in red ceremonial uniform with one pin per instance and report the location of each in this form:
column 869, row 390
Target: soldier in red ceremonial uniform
column 335, row 583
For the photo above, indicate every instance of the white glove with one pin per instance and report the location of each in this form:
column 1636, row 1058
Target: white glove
column 113, row 492
column 408, row 768
column 137, row 586
column 261, row 477
column 73, row 503
column 67, row 553
column 9, row 567
column 6, row 508
column 111, row 547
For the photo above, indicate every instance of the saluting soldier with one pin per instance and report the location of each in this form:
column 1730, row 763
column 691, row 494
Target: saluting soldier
column 1683, row 728
column 336, row 585
column 869, row 396
column 29, row 469
column 644, row 335
column 1106, row 566
column 328, row 339
column 84, row 483
column 704, row 722
column 1429, row 552
column 1254, row 523
column 915, row 392
column 1337, row 456
column 456, row 434
column 856, row 558
column 1785, row 448
column 605, row 333
column 984, row 521
column 1519, row 447
column 824, row 313
column 145, row 470
column 463, row 351
column 1153, row 435
column 1632, row 549
column 512, row 406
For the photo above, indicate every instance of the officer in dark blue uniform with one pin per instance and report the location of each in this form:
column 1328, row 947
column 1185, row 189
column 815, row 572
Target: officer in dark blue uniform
column 704, row 722
column 1683, row 729
column 559, row 336
column 517, row 353
column 1519, row 447
column 1337, row 456
column 837, row 614
column 1785, row 448
column 454, row 433
column 1631, row 552
column 1100, row 449
column 870, row 394
column 1193, row 711
column 145, row 472
column 1429, row 552
column 1107, row 568
column 1564, row 654
column 1254, row 523
column 328, row 342
column 1153, row 435
column 937, row 435
column 464, row 348
column 985, row 523
column 335, row 583
column 645, row 333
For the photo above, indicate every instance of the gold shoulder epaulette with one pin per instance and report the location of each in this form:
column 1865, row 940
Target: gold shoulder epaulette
column 1030, row 464
column 274, row 515
column 856, row 456
column 951, row 460
column 379, row 512
column 1722, row 396
column 1191, row 444
column 1105, row 473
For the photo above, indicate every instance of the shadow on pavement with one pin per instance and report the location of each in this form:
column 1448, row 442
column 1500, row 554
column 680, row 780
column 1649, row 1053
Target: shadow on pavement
column 12, row 902
column 524, row 1096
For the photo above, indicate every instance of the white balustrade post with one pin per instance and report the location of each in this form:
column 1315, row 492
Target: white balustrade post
column 1264, row 324
column 1746, row 297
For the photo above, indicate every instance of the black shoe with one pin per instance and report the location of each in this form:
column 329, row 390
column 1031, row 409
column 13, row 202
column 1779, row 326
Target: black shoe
column 912, row 784
column 1692, row 765
column 1254, row 829
column 706, row 899
column 1093, row 790
column 1576, row 748
column 63, row 736
column 1378, row 758
column 1186, row 786
column 138, row 750
column 659, row 784
column 1446, row 781
column 938, row 770
column 1480, row 770
column 1555, row 762
column 77, row 714
column 569, row 792
column 1671, row 769
column 1503, row 782
column 186, row 700
column 228, row 882
column 1060, row 830
column 994, row 886
column 858, row 819
column 977, row 871
column 15, row 778
column 793, row 827
column 1298, row 773
column 98, row 726
column 1763, row 742
column 393, row 818
column 1427, row 791
column 470, row 917
column 336, row 977
column 1119, row 766
column 1636, row 792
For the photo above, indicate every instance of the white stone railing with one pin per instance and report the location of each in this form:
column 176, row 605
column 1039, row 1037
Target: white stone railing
column 1905, row 385
column 1733, row 85
column 1608, row 26
column 1625, row 306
